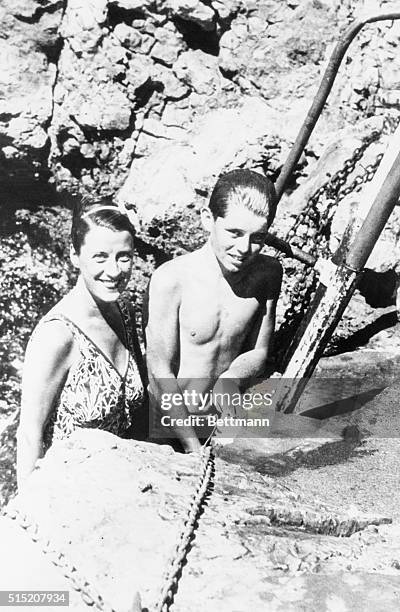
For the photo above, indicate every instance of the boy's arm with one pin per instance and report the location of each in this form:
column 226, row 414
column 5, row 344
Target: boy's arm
column 252, row 362
column 162, row 339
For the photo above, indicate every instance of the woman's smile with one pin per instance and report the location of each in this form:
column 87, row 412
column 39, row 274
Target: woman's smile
column 105, row 262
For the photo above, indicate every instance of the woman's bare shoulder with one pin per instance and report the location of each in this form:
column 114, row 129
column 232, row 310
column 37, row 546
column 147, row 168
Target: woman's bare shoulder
column 52, row 334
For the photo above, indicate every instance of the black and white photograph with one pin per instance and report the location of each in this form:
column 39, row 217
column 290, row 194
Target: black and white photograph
column 200, row 305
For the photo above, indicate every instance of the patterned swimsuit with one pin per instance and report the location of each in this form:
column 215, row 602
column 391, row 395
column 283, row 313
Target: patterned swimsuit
column 95, row 395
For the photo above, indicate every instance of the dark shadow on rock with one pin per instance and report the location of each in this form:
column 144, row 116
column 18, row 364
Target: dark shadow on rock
column 362, row 336
column 344, row 406
column 283, row 464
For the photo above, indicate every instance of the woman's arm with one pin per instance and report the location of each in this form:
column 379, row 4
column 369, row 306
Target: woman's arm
column 47, row 361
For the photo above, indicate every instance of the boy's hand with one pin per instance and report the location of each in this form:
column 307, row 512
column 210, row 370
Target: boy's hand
column 191, row 445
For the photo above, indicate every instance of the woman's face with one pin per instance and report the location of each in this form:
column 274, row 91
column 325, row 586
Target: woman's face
column 105, row 262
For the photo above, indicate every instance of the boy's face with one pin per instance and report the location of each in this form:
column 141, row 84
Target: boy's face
column 237, row 238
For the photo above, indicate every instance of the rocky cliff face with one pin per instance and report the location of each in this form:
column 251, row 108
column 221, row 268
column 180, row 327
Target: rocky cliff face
column 96, row 91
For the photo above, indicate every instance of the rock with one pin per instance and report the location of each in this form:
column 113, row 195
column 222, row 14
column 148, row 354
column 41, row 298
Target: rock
column 98, row 44
column 363, row 81
column 264, row 53
column 250, row 526
column 173, row 88
column 26, row 81
column 115, row 54
column 62, row 57
column 378, row 417
column 24, row 8
column 130, row 5
column 33, row 136
column 127, row 36
column 351, row 592
column 107, row 109
column 198, row 70
column 158, row 129
column 88, row 151
column 228, row 59
column 82, row 24
column 220, row 141
column 193, row 10
column 140, row 70
column 225, row 8
column 168, row 45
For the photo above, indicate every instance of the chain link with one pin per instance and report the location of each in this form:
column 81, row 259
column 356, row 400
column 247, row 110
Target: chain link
column 332, row 187
column 89, row 594
column 178, row 557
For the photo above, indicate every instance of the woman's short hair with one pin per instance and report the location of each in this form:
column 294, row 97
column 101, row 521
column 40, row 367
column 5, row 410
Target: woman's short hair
column 99, row 212
column 253, row 190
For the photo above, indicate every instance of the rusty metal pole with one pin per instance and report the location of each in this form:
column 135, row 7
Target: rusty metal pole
column 310, row 122
column 339, row 280
column 322, row 95
column 290, row 250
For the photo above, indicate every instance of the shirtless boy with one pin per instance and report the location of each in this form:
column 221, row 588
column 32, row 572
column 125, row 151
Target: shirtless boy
column 211, row 313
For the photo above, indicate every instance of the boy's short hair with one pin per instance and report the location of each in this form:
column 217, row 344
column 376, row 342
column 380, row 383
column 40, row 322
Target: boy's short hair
column 253, row 190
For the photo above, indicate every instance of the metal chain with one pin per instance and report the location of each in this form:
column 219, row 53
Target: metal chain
column 321, row 241
column 317, row 224
column 89, row 594
column 178, row 557
column 333, row 185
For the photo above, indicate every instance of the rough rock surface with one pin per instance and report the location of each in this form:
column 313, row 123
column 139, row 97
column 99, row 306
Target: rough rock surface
column 224, row 139
column 157, row 98
column 125, row 502
column 29, row 40
column 366, row 473
column 91, row 87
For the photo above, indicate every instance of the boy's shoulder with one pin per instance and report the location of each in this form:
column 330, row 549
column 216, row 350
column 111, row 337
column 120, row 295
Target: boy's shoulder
column 171, row 273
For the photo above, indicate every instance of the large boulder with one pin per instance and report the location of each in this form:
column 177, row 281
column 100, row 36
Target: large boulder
column 222, row 140
column 112, row 511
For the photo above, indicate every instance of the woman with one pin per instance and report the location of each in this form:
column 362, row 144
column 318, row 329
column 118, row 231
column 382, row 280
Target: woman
column 83, row 366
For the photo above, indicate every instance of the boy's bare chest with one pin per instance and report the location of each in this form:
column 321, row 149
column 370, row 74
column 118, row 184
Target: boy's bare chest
column 215, row 313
